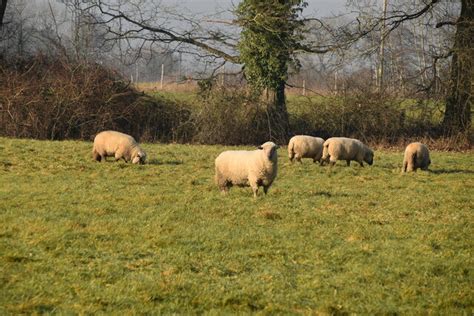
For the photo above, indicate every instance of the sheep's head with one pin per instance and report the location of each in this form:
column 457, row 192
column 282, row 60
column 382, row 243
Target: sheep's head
column 139, row 158
column 369, row 156
column 270, row 149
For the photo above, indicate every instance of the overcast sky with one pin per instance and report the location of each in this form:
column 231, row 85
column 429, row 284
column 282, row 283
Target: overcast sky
column 316, row 8
column 320, row 8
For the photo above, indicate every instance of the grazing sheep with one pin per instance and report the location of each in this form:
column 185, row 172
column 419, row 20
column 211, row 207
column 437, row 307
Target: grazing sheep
column 119, row 145
column 247, row 168
column 416, row 156
column 303, row 146
column 341, row 148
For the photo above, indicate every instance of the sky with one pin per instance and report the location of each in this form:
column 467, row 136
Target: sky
column 316, row 8
column 320, row 8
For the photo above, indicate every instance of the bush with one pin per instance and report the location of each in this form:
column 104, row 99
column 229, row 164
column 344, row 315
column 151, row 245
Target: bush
column 47, row 98
column 361, row 115
column 231, row 117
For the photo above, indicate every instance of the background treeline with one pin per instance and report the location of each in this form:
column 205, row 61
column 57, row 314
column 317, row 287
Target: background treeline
column 55, row 98
column 69, row 70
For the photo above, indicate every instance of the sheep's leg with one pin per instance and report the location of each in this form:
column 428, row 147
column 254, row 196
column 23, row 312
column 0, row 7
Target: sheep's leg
column 291, row 156
column 222, row 183
column 224, row 189
column 404, row 168
column 255, row 191
column 413, row 165
column 348, row 162
column 119, row 155
column 361, row 163
column 96, row 156
column 254, row 186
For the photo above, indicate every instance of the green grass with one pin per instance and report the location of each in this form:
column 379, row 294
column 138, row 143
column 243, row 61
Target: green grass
column 82, row 237
column 177, row 96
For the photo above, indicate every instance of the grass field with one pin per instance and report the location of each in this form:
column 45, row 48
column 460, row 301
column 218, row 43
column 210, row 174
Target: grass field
column 78, row 236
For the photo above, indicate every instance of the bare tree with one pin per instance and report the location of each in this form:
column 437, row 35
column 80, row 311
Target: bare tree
column 458, row 102
column 457, row 117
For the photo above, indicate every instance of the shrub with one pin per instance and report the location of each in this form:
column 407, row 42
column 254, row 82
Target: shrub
column 48, row 98
column 231, row 117
column 364, row 116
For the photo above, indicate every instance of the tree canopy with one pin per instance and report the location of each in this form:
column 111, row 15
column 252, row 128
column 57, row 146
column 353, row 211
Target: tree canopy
column 271, row 31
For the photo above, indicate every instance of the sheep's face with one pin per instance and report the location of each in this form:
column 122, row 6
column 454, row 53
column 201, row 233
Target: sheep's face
column 139, row 158
column 369, row 157
column 270, row 149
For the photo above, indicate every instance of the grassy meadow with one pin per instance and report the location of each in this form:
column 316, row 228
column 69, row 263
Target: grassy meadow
column 82, row 237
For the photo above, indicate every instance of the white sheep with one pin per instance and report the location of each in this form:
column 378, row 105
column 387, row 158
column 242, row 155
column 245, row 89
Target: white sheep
column 304, row 146
column 416, row 156
column 342, row 148
column 119, row 145
column 247, row 168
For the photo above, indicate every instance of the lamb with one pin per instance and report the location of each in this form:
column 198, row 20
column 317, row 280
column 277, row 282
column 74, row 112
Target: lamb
column 341, row 148
column 303, row 146
column 416, row 156
column 119, row 145
column 247, row 168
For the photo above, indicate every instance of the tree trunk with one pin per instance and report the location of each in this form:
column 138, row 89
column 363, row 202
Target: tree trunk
column 457, row 117
column 280, row 121
column 3, row 7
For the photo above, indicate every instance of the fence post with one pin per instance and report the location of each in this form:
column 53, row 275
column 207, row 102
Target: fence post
column 162, row 75
column 223, row 75
column 136, row 73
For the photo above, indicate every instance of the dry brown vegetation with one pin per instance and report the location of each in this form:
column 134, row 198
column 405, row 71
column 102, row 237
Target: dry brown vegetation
column 46, row 98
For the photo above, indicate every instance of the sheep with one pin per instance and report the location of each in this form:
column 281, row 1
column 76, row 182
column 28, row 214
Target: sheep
column 416, row 156
column 119, row 145
column 303, row 146
column 247, row 168
column 341, row 148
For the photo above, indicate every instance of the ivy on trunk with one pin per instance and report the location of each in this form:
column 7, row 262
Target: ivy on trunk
column 271, row 31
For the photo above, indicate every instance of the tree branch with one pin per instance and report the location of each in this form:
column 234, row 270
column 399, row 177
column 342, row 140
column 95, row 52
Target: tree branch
column 167, row 35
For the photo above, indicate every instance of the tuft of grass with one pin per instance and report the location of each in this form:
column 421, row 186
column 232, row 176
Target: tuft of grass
column 82, row 237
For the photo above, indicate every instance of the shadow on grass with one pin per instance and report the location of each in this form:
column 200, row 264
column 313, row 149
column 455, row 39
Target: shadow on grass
column 447, row 171
column 329, row 194
column 166, row 162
